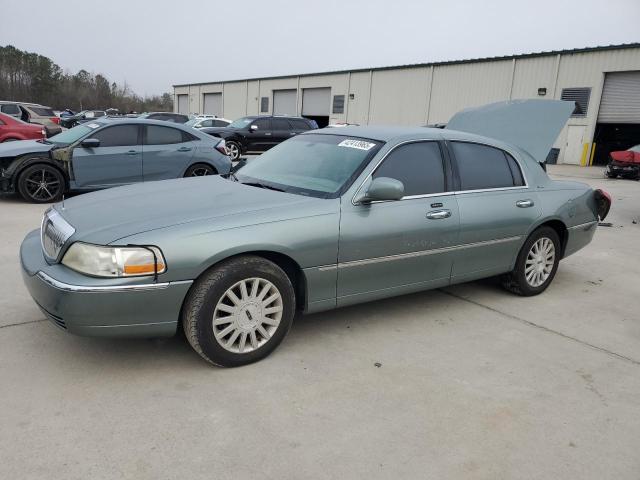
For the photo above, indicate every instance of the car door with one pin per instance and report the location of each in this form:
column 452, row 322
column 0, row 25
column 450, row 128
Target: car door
column 167, row 152
column 259, row 136
column 497, row 208
column 117, row 161
column 393, row 247
column 281, row 130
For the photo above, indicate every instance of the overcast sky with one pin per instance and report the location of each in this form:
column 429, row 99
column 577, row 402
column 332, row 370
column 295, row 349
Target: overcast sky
column 153, row 44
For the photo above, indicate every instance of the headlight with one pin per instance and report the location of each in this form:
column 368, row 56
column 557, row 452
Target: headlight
column 100, row 261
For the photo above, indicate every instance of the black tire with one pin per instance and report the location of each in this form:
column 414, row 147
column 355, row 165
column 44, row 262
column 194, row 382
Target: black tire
column 200, row 170
column 611, row 175
column 41, row 183
column 516, row 281
column 210, row 291
column 234, row 149
column 10, row 140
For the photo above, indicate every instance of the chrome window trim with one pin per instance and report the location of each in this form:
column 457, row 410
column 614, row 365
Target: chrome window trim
column 524, row 177
column 448, row 192
column 420, row 253
column 67, row 287
column 410, row 197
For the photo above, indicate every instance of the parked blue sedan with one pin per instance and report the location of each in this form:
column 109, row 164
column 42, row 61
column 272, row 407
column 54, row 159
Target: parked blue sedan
column 106, row 153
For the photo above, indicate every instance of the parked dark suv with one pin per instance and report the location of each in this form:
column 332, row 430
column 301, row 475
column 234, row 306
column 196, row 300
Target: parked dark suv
column 258, row 134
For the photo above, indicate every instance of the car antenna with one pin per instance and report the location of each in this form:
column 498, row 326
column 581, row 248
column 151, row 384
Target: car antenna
column 63, row 201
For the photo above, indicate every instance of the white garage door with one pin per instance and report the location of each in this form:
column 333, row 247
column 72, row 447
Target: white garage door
column 316, row 101
column 620, row 98
column 284, row 102
column 183, row 104
column 212, row 104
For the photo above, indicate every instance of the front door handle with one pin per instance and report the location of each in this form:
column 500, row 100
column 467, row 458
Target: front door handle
column 438, row 214
column 184, row 149
column 524, row 203
column 132, row 152
column 267, row 134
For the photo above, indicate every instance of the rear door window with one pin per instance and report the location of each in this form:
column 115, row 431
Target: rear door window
column 163, row 135
column 417, row 165
column 280, row 124
column 118, row 136
column 299, row 124
column 10, row 109
column 483, row 167
column 42, row 111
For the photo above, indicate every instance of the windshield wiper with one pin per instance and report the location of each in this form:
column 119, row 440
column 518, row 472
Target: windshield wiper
column 262, row 185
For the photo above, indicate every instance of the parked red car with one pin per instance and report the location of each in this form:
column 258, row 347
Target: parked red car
column 15, row 129
column 624, row 163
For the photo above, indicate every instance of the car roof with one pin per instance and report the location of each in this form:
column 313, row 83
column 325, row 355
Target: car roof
column 382, row 133
column 106, row 120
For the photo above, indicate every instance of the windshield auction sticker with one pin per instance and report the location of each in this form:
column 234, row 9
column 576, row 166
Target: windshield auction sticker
column 359, row 144
column 93, row 125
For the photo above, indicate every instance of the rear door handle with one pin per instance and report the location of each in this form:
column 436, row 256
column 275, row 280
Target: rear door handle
column 293, row 133
column 132, row 152
column 184, row 149
column 267, row 133
column 524, row 203
column 438, row 214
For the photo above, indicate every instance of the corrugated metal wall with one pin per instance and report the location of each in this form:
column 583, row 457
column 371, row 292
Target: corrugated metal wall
column 432, row 94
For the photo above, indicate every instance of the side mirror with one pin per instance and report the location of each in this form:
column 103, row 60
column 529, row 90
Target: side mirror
column 90, row 143
column 381, row 189
column 253, row 128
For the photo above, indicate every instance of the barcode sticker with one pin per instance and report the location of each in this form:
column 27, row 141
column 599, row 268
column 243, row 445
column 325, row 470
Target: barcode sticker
column 359, row 144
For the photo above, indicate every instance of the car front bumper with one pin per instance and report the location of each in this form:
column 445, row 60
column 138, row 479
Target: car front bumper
column 100, row 307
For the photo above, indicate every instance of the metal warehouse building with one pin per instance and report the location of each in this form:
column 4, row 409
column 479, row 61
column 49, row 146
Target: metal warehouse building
column 604, row 81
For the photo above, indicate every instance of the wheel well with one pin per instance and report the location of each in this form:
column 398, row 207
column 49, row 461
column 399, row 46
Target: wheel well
column 293, row 271
column 39, row 161
column 561, row 230
column 215, row 170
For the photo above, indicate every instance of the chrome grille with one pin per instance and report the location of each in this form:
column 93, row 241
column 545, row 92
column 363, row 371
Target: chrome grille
column 55, row 231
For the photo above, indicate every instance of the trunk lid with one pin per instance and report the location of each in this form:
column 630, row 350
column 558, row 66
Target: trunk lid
column 531, row 125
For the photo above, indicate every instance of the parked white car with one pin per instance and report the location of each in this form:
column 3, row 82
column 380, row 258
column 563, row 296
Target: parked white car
column 202, row 121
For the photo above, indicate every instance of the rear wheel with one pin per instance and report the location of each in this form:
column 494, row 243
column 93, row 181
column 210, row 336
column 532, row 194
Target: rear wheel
column 239, row 312
column 200, row 170
column 10, row 140
column 41, row 183
column 536, row 265
column 234, row 150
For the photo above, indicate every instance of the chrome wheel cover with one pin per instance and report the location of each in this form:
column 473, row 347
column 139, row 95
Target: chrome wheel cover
column 540, row 261
column 247, row 315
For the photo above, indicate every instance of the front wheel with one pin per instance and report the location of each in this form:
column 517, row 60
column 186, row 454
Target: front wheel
column 233, row 148
column 41, row 183
column 239, row 311
column 536, row 265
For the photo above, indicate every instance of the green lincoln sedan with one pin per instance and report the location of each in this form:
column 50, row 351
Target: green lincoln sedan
column 328, row 218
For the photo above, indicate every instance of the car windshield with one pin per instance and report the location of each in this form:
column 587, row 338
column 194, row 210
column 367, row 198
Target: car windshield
column 635, row 148
column 241, row 122
column 73, row 134
column 311, row 164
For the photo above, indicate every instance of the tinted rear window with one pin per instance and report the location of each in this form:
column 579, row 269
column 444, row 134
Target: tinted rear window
column 280, row 124
column 299, row 124
column 42, row 111
column 482, row 167
column 163, row 135
column 10, row 109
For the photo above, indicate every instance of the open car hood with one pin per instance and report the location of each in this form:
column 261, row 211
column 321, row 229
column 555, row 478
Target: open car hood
column 531, row 125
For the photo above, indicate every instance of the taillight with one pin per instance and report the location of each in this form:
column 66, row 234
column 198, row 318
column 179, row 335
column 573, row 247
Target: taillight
column 222, row 147
column 55, row 120
column 44, row 132
column 603, row 203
